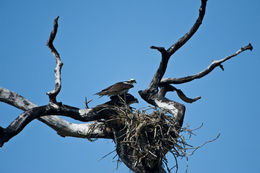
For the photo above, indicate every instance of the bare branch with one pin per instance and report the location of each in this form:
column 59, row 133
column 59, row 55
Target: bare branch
column 160, row 49
column 167, row 54
column 16, row 100
column 167, row 87
column 152, row 89
column 200, row 146
column 192, row 31
column 94, row 130
column 26, row 117
column 61, row 126
column 201, row 74
column 87, row 102
column 52, row 94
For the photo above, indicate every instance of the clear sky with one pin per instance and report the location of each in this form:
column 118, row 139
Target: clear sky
column 103, row 42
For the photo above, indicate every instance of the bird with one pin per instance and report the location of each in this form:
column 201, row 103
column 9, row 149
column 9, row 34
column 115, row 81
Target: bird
column 117, row 101
column 114, row 107
column 119, row 88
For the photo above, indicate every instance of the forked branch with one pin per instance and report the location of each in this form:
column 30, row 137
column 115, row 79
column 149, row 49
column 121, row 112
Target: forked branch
column 53, row 108
column 152, row 94
column 61, row 126
column 26, row 117
column 166, row 54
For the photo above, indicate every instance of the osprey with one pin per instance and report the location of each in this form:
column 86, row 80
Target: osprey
column 117, row 101
column 118, row 88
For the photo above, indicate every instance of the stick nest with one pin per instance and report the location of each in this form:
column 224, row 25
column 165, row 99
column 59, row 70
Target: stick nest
column 149, row 136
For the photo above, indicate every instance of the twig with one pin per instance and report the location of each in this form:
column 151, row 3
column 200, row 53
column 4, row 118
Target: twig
column 187, row 164
column 87, row 102
column 196, row 148
column 106, row 155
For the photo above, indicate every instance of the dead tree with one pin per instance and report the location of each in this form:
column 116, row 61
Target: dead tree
column 139, row 137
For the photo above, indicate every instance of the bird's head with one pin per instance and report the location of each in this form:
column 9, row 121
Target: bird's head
column 131, row 81
column 131, row 99
column 119, row 100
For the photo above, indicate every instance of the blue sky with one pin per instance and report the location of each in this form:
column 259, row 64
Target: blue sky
column 103, row 42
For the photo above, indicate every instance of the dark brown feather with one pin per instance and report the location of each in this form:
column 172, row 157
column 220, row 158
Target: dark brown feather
column 116, row 89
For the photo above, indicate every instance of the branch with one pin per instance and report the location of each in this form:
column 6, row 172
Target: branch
column 61, row 126
column 94, row 130
column 200, row 146
column 151, row 94
column 167, row 87
column 166, row 54
column 52, row 94
column 192, row 31
column 53, row 108
column 85, row 115
column 203, row 73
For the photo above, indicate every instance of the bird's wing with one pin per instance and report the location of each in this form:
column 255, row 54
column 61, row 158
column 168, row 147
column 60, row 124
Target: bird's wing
column 115, row 89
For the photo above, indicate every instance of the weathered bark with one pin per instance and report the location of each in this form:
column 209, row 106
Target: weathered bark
column 61, row 126
column 103, row 111
column 52, row 94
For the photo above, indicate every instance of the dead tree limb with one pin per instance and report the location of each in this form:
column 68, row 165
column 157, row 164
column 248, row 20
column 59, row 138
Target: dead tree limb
column 166, row 54
column 192, row 31
column 155, row 93
column 53, row 108
column 61, row 126
column 212, row 66
column 94, row 130
column 52, row 94
column 151, row 94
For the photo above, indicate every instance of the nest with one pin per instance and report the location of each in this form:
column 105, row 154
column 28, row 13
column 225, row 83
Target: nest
column 148, row 137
